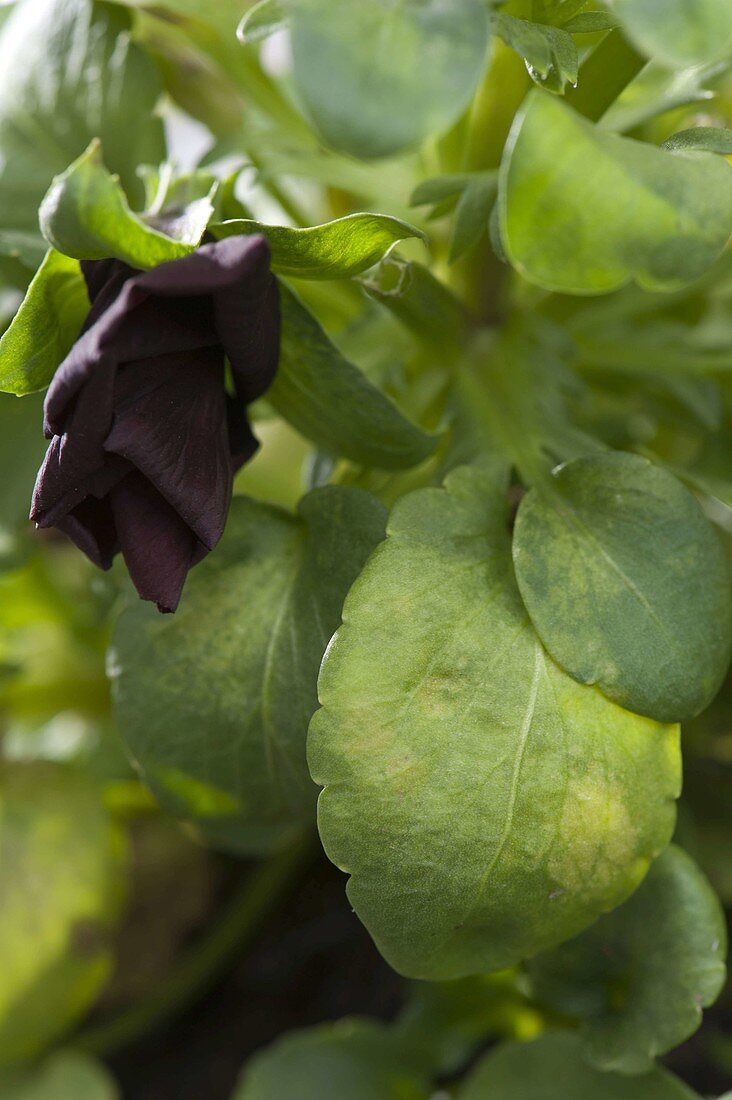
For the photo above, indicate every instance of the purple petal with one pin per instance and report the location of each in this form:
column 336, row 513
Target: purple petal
column 170, row 421
column 158, row 547
column 91, row 527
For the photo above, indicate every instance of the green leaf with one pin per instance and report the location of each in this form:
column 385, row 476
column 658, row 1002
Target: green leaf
column 422, row 303
column 473, row 213
column 64, row 1076
column 70, row 74
column 214, row 702
column 550, row 54
column 640, row 976
column 439, row 188
column 22, row 448
column 261, row 21
column 337, row 250
column 329, row 401
column 711, row 139
column 590, row 22
column 641, row 213
column 552, row 1068
column 358, row 1059
column 45, row 327
column 60, row 881
column 626, row 583
column 678, row 33
column 485, row 804
column 380, row 77
column 86, row 215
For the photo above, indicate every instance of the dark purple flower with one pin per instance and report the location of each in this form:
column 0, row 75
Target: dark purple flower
column 145, row 438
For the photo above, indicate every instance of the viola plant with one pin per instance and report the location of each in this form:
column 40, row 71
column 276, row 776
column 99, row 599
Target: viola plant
column 408, row 398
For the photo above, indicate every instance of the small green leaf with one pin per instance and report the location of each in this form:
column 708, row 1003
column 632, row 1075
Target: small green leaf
column 473, row 213
column 261, row 21
column 71, row 73
column 710, row 139
column 550, row 54
column 63, row 1076
column 61, row 882
column 626, row 583
column 552, row 1068
column 45, row 327
column 678, row 33
column 436, row 190
column 86, row 215
column 640, row 976
column 641, row 213
column 337, row 250
column 214, row 702
column 590, row 22
column 357, row 1059
column 329, row 401
column 380, row 77
column 484, row 804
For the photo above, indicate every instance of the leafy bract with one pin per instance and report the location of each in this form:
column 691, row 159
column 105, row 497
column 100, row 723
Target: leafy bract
column 60, row 879
column 337, row 250
column 552, row 1068
column 642, row 213
column 261, row 21
column 63, row 1076
column 70, row 74
column 214, row 703
column 380, row 77
column 85, row 214
column 626, row 583
column 358, row 1059
column 329, row 401
column 639, row 978
column 550, row 53
column 678, row 33
column 485, row 804
column 45, row 327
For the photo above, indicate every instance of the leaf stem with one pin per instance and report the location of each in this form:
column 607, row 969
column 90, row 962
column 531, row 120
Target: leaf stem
column 604, row 75
column 198, row 969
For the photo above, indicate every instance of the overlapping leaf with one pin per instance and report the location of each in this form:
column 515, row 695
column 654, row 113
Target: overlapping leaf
column 642, row 213
column 358, row 1059
column 214, row 702
column 484, row 804
column 337, row 250
column 639, row 978
column 329, row 401
column 378, row 78
column 61, row 885
column 626, row 583
column 552, row 1068
column 71, row 73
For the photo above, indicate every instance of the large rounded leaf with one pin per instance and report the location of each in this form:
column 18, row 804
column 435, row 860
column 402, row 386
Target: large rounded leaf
column 552, row 1068
column 485, row 804
column 626, row 583
column 214, row 702
column 60, row 883
column 640, row 976
column 380, row 77
column 679, row 33
column 354, row 1059
column 641, row 213
column 71, row 73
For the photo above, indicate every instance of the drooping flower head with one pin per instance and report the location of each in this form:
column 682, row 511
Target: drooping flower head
column 145, row 433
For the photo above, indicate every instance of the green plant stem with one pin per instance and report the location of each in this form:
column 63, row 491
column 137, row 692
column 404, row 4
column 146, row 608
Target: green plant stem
column 604, row 75
column 197, row 970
